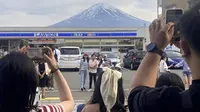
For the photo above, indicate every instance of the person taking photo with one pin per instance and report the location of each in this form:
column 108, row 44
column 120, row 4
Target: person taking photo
column 144, row 96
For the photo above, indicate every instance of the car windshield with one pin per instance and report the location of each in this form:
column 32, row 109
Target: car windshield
column 110, row 55
column 173, row 54
column 69, row 51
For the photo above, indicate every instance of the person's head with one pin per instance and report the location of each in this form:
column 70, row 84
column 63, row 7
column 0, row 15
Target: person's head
column 97, row 97
column 93, row 56
column 53, row 48
column 105, row 56
column 18, row 83
column 190, row 37
column 85, row 57
column 164, row 56
column 170, row 79
column 100, row 57
column 120, row 50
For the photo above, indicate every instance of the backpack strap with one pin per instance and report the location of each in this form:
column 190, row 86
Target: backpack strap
column 186, row 100
column 55, row 52
column 100, row 62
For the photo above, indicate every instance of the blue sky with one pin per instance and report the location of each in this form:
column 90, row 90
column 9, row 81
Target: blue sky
column 48, row 12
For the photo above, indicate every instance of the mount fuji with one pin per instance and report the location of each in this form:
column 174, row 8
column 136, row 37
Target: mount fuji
column 102, row 15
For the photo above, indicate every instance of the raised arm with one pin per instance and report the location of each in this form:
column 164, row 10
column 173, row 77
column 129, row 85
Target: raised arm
column 179, row 64
column 66, row 98
column 147, row 72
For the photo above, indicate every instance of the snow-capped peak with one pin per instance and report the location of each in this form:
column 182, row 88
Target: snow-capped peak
column 103, row 6
column 103, row 14
column 97, row 9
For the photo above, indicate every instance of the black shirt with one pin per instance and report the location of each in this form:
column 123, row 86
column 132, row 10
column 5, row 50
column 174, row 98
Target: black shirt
column 41, row 68
column 163, row 99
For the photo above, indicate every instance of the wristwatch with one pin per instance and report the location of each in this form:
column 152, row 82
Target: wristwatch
column 152, row 47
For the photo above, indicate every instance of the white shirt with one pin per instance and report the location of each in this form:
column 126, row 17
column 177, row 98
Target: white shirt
column 163, row 66
column 101, row 64
column 57, row 51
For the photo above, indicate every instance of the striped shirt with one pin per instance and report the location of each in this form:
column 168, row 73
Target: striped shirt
column 52, row 108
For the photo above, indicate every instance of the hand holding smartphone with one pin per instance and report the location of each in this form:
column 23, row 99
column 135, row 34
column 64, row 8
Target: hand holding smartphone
column 37, row 54
column 174, row 15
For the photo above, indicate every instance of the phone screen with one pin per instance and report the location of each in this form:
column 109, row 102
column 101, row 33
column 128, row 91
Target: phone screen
column 173, row 15
column 35, row 53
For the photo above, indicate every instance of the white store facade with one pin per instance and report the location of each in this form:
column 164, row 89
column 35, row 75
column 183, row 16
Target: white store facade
column 89, row 39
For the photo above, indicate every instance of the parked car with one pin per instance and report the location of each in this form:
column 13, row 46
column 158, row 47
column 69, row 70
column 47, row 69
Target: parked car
column 173, row 57
column 133, row 59
column 114, row 58
column 70, row 57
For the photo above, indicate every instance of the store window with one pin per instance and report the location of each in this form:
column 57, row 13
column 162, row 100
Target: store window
column 139, row 44
column 126, row 42
column 171, row 6
column 108, row 42
column 106, row 49
column 90, row 42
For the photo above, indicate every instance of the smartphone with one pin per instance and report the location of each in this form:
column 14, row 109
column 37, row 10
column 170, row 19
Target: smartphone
column 35, row 53
column 174, row 15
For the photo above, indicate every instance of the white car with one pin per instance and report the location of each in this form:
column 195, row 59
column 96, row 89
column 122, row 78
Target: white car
column 70, row 57
column 114, row 58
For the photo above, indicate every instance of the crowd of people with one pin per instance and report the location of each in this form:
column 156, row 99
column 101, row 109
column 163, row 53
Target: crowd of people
column 94, row 66
column 148, row 92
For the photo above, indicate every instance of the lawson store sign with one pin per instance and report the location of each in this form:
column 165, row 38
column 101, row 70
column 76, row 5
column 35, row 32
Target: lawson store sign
column 66, row 34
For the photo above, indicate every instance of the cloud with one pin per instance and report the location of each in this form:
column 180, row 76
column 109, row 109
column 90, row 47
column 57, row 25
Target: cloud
column 47, row 12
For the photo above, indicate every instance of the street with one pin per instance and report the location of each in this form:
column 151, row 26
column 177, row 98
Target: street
column 73, row 80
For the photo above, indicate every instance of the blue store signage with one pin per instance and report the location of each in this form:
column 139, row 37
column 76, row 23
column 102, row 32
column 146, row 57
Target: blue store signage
column 65, row 34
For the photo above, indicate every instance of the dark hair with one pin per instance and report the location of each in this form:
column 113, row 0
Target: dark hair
column 85, row 59
column 99, row 56
column 93, row 55
column 189, row 27
column 170, row 79
column 18, row 83
column 97, row 98
column 164, row 55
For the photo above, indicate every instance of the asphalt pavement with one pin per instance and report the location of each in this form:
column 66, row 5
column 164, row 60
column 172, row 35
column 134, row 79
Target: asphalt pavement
column 73, row 79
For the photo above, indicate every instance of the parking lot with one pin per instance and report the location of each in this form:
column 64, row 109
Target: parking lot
column 73, row 79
